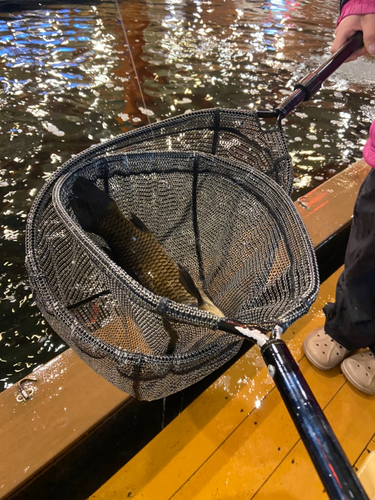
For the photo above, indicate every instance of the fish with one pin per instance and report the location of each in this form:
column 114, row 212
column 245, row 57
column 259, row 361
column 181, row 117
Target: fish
column 134, row 248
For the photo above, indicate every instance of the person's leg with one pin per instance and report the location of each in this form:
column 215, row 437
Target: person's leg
column 350, row 321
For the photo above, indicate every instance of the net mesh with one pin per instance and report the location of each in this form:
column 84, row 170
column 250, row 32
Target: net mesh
column 214, row 204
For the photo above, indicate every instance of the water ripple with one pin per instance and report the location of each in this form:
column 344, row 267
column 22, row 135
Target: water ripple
column 67, row 83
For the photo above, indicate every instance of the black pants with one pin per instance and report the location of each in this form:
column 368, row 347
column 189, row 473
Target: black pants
column 351, row 319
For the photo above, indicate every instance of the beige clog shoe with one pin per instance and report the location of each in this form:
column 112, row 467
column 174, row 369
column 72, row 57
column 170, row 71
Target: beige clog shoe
column 359, row 369
column 322, row 351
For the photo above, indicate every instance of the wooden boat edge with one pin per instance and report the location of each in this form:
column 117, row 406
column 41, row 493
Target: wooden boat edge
column 71, row 404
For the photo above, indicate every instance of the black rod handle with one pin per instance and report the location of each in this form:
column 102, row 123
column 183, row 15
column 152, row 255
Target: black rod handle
column 333, row 467
column 309, row 86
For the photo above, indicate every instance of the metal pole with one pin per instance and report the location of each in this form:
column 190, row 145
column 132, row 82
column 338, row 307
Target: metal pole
column 334, row 469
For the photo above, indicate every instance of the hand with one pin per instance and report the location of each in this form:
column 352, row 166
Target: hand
column 348, row 26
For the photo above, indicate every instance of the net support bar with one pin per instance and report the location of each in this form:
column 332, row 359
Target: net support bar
column 330, row 461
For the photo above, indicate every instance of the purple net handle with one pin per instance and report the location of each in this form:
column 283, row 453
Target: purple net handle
column 309, row 86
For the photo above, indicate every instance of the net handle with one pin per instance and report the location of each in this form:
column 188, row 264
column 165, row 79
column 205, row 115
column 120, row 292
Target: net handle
column 305, row 89
column 326, row 453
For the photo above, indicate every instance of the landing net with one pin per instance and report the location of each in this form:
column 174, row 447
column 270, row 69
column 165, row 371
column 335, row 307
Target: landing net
column 214, row 190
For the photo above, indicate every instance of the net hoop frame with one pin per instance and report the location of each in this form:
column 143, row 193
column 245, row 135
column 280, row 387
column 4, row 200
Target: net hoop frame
column 85, row 343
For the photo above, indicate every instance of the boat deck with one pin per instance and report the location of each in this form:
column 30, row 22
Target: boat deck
column 94, row 429
column 237, row 439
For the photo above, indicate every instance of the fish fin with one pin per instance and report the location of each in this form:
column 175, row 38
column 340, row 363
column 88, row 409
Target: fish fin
column 89, row 203
column 187, row 282
column 204, row 303
column 109, row 252
column 209, row 306
column 173, row 335
column 139, row 224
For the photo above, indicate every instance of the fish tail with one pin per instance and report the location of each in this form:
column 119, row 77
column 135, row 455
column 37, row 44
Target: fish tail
column 204, row 303
column 89, row 203
column 188, row 283
column 208, row 305
column 173, row 335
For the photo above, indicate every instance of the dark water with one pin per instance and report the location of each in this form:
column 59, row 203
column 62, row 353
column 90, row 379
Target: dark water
column 68, row 81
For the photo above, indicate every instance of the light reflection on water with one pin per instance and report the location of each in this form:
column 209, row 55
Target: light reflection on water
column 63, row 77
column 250, row 55
column 67, row 82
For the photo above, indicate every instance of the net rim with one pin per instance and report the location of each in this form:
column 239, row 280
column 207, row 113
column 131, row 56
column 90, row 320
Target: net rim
column 102, row 149
column 151, row 301
column 124, row 356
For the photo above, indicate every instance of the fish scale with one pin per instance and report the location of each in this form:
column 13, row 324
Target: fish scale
column 134, row 248
column 139, row 253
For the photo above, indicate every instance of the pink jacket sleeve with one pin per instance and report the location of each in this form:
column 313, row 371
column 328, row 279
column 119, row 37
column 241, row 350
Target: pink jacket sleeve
column 361, row 7
column 357, row 7
column 369, row 149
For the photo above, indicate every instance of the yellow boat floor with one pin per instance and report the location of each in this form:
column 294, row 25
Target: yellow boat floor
column 237, row 439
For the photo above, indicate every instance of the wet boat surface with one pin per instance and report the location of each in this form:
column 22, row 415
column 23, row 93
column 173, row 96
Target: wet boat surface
column 77, row 430
column 237, row 439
